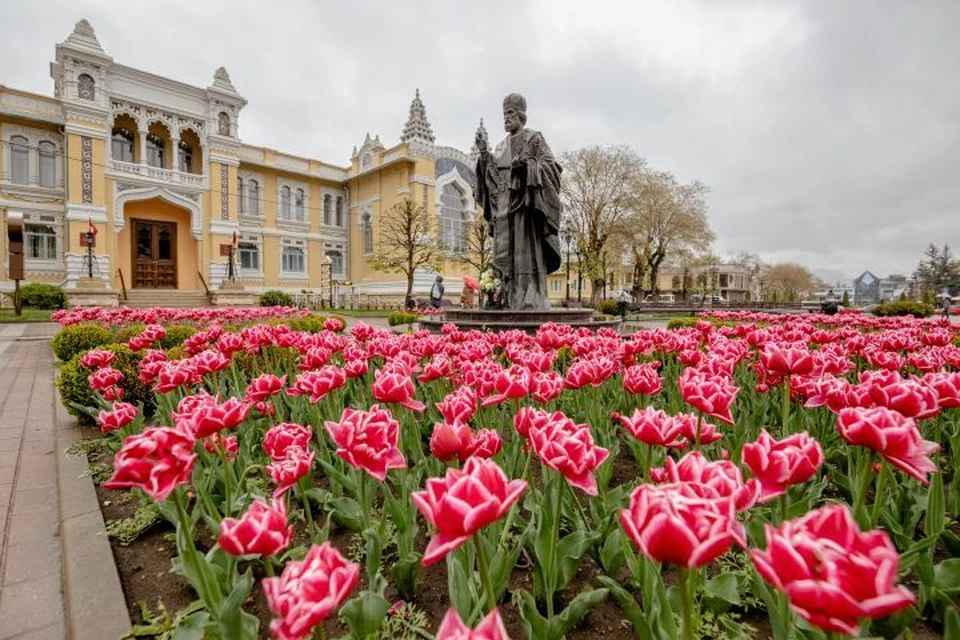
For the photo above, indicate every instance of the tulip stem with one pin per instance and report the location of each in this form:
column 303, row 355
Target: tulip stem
column 686, row 603
column 268, row 566
column 879, row 496
column 647, row 461
column 785, row 407
column 784, row 502
column 227, row 483
column 696, row 444
column 319, row 633
column 483, row 563
column 307, row 513
column 859, row 500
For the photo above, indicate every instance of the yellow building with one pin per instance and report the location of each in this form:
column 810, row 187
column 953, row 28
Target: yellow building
column 159, row 169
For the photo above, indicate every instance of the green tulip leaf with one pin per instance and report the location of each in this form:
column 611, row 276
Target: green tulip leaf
column 365, row 613
column 724, row 587
column 575, row 612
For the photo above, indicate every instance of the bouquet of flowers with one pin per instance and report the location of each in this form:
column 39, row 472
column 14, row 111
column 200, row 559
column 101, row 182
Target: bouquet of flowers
column 489, row 282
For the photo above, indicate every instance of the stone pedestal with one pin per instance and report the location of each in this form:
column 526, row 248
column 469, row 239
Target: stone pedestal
column 92, row 292
column 233, row 294
column 528, row 321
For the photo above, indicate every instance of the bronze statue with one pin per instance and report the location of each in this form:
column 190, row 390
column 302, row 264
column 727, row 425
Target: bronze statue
column 518, row 186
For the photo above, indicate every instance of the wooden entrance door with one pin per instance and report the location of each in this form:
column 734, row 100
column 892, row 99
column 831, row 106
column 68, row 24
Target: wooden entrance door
column 154, row 254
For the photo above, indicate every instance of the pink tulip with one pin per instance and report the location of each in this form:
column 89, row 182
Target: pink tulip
column 122, row 414
column 833, row 574
column 718, row 479
column 156, row 461
column 642, row 379
column 567, row 447
column 653, row 427
column 286, row 471
column 309, row 591
column 892, row 435
column 368, row 440
column 490, row 628
column 451, row 441
column 264, row 386
column 673, row 523
column 779, row 465
column 458, row 405
column 262, row 530
column 281, row 437
column 394, row 386
column 463, row 502
column 317, row 384
column 709, row 394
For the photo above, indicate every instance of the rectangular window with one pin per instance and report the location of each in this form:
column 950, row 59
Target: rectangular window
column 48, row 164
column 249, row 256
column 555, row 286
column 20, row 160
column 292, row 261
column 41, row 242
column 336, row 263
column 186, row 160
column 723, row 281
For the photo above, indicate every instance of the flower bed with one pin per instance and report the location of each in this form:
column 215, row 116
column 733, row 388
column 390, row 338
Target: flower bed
column 749, row 475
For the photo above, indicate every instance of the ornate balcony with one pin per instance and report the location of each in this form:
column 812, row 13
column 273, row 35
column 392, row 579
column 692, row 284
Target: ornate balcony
column 169, row 176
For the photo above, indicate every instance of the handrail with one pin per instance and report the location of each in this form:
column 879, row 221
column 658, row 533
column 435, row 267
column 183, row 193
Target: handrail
column 205, row 287
column 123, row 285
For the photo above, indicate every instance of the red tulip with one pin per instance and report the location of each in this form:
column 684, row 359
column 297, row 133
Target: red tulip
column 947, row 386
column 486, row 444
column 690, row 424
column 368, row 440
column 779, row 465
column 286, row 471
column 309, row 591
column 653, row 427
column 642, row 378
column 490, row 628
column 261, row 531
column 176, row 374
column 528, row 417
column 264, row 386
column 892, row 435
column 122, row 414
column 463, row 502
column 909, row 397
column 458, row 405
column 319, row 383
column 451, row 440
column 713, row 480
column 546, row 386
column 281, row 437
column 709, row 394
column 567, row 447
column 510, row 384
column 392, row 385
column 781, row 360
column 833, row 574
column 314, row 358
column 156, row 461
column 97, row 358
column 674, row 523
column 355, row 367
column 210, row 417
column 104, row 378
column 210, row 361
column 441, row 366
column 334, row 325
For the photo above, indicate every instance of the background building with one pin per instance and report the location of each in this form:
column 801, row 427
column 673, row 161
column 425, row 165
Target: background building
column 159, row 169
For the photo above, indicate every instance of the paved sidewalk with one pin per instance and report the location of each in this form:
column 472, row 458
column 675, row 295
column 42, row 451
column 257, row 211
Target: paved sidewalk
column 31, row 601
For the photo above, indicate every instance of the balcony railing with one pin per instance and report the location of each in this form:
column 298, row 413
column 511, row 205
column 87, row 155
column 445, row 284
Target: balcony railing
column 157, row 173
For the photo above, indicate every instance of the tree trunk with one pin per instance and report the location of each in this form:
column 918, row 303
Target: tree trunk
column 409, row 296
column 596, row 290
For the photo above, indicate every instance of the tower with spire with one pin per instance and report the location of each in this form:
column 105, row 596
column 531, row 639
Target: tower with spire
column 418, row 128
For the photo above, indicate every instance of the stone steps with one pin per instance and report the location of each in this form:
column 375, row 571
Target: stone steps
column 165, row 298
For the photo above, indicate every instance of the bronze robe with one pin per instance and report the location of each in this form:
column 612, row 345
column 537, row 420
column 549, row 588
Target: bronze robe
column 518, row 186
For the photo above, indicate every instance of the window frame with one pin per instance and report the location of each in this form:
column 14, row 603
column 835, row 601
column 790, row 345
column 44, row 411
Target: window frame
column 19, row 153
column 298, row 249
column 156, row 150
column 47, row 153
column 51, row 238
column 121, row 135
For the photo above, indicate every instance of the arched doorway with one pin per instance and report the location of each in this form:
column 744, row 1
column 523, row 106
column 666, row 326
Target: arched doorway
column 154, row 253
column 157, row 244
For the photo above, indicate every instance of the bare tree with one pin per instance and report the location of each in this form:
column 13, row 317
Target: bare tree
column 479, row 244
column 406, row 242
column 596, row 189
column 788, row 281
column 666, row 217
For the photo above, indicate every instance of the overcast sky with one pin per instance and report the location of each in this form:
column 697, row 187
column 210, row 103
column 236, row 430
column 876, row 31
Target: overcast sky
column 828, row 130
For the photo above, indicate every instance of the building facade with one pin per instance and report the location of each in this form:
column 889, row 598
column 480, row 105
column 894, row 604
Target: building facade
column 157, row 167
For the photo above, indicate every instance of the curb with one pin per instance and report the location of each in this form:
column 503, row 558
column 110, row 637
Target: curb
column 94, row 605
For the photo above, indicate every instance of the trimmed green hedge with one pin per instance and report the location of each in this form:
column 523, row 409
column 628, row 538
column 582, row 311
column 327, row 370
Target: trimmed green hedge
column 39, row 295
column 276, row 299
column 609, row 308
column 903, row 308
column 401, row 317
column 75, row 389
column 77, row 338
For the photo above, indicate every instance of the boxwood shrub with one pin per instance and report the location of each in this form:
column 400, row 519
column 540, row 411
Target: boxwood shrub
column 275, row 298
column 75, row 389
column 40, row 295
column 77, row 338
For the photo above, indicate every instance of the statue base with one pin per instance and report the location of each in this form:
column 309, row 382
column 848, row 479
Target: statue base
column 528, row 321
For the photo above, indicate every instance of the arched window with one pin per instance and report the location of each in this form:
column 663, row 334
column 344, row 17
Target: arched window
column 336, row 263
column 366, row 227
column 121, row 145
column 241, row 200
column 19, row 160
column 453, row 218
column 327, row 209
column 298, row 204
column 155, row 149
column 186, row 157
column 253, row 197
column 86, row 88
column 48, row 164
column 339, row 211
column 285, row 203
column 366, row 161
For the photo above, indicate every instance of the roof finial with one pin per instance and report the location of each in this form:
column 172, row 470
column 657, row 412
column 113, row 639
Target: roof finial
column 418, row 128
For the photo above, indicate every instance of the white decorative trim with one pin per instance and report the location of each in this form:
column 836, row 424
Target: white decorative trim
column 77, row 268
column 34, row 206
column 423, row 180
column 453, row 176
column 223, row 227
column 230, row 160
column 83, row 212
column 90, row 131
column 123, row 196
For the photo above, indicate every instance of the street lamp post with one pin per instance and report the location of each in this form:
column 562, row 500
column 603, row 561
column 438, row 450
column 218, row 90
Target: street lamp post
column 569, row 239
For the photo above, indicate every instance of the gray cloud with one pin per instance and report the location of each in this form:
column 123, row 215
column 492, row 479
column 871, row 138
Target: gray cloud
column 826, row 130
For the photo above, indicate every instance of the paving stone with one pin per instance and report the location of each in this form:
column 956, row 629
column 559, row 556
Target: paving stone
column 53, row 632
column 34, row 499
column 30, row 606
column 36, row 526
column 31, row 559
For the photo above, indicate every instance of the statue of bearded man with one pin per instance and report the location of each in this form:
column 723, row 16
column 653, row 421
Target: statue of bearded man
column 518, row 186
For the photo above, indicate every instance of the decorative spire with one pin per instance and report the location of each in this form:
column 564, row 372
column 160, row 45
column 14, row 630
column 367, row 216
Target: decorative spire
column 481, row 134
column 221, row 81
column 418, row 128
column 84, row 37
